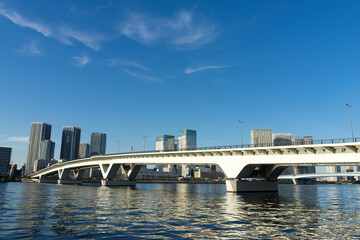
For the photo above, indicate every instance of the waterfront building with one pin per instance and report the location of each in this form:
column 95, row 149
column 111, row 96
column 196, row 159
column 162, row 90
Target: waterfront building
column 187, row 140
column 5, row 157
column 43, row 163
column 333, row 169
column 261, row 137
column 302, row 140
column 47, row 149
column 281, row 139
column 98, row 144
column 70, row 143
column 39, row 132
column 165, row 143
column 84, row 150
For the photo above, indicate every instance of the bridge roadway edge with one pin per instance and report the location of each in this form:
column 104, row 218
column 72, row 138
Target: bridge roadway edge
column 232, row 162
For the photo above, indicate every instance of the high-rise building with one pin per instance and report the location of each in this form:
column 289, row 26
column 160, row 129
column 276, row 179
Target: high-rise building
column 42, row 163
column 281, row 139
column 333, row 169
column 47, row 149
column 5, row 156
column 98, row 144
column 165, row 143
column 261, row 137
column 187, row 140
column 302, row 140
column 84, row 150
column 70, row 143
column 39, row 132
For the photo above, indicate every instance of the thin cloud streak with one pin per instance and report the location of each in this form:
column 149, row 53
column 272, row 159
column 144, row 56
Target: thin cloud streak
column 23, row 22
column 193, row 70
column 30, row 49
column 183, row 31
column 18, row 139
column 113, row 62
column 136, row 75
column 65, row 35
column 81, row 61
column 91, row 40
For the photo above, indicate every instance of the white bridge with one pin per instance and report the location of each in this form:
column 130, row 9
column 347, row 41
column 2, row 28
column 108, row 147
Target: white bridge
column 246, row 169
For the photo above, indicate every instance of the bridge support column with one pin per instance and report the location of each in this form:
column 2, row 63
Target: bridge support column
column 69, row 181
column 238, row 185
column 42, row 179
column 118, row 183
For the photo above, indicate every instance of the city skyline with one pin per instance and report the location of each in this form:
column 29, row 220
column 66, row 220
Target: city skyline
column 215, row 63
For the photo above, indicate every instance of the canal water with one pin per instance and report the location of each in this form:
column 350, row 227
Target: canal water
column 178, row 211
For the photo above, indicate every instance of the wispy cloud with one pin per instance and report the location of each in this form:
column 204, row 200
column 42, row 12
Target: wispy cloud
column 65, row 35
column 92, row 40
column 18, row 139
column 30, row 49
column 192, row 70
column 184, row 31
column 136, row 75
column 81, row 61
column 23, row 22
column 113, row 62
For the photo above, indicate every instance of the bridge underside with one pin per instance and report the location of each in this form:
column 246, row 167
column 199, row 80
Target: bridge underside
column 251, row 178
column 250, row 169
column 111, row 175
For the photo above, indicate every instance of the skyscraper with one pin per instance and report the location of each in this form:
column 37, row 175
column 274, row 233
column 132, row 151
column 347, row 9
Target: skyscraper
column 39, row 132
column 70, row 143
column 281, row 139
column 5, row 156
column 165, row 143
column 261, row 137
column 333, row 169
column 84, row 151
column 98, row 144
column 187, row 140
column 302, row 140
column 47, row 149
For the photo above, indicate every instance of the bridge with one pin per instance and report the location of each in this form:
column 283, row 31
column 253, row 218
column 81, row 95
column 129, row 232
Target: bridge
column 319, row 175
column 247, row 168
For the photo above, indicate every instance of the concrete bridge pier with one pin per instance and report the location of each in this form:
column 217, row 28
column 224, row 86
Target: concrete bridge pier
column 119, row 174
column 253, row 178
column 238, row 185
column 43, row 179
column 65, row 178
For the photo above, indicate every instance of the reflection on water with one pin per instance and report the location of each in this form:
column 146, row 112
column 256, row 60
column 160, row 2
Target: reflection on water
column 168, row 211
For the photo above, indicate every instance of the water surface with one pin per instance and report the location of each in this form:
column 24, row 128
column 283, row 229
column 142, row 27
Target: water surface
column 178, row 211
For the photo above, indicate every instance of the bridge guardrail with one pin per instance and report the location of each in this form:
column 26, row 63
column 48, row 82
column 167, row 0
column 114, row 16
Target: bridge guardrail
column 310, row 142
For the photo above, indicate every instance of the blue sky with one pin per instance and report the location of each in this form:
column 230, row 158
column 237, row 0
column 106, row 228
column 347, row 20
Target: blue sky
column 146, row 68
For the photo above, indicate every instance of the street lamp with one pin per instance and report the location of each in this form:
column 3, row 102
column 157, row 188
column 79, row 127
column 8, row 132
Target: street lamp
column 241, row 126
column 118, row 146
column 352, row 131
column 144, row 142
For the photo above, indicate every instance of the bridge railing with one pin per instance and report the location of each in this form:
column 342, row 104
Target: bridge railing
column 302, row 141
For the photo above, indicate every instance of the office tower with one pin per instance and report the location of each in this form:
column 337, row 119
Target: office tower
column 42, row 163
column 47, row 149
column 302, row 140
column 39, row 132
column 98, row 144
column 84, row 150
column 165, row 143
column 187, row 140
column 333, row 169
column 261, row 137
column 70, row 143
column 5, row 156
column 281, row 139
